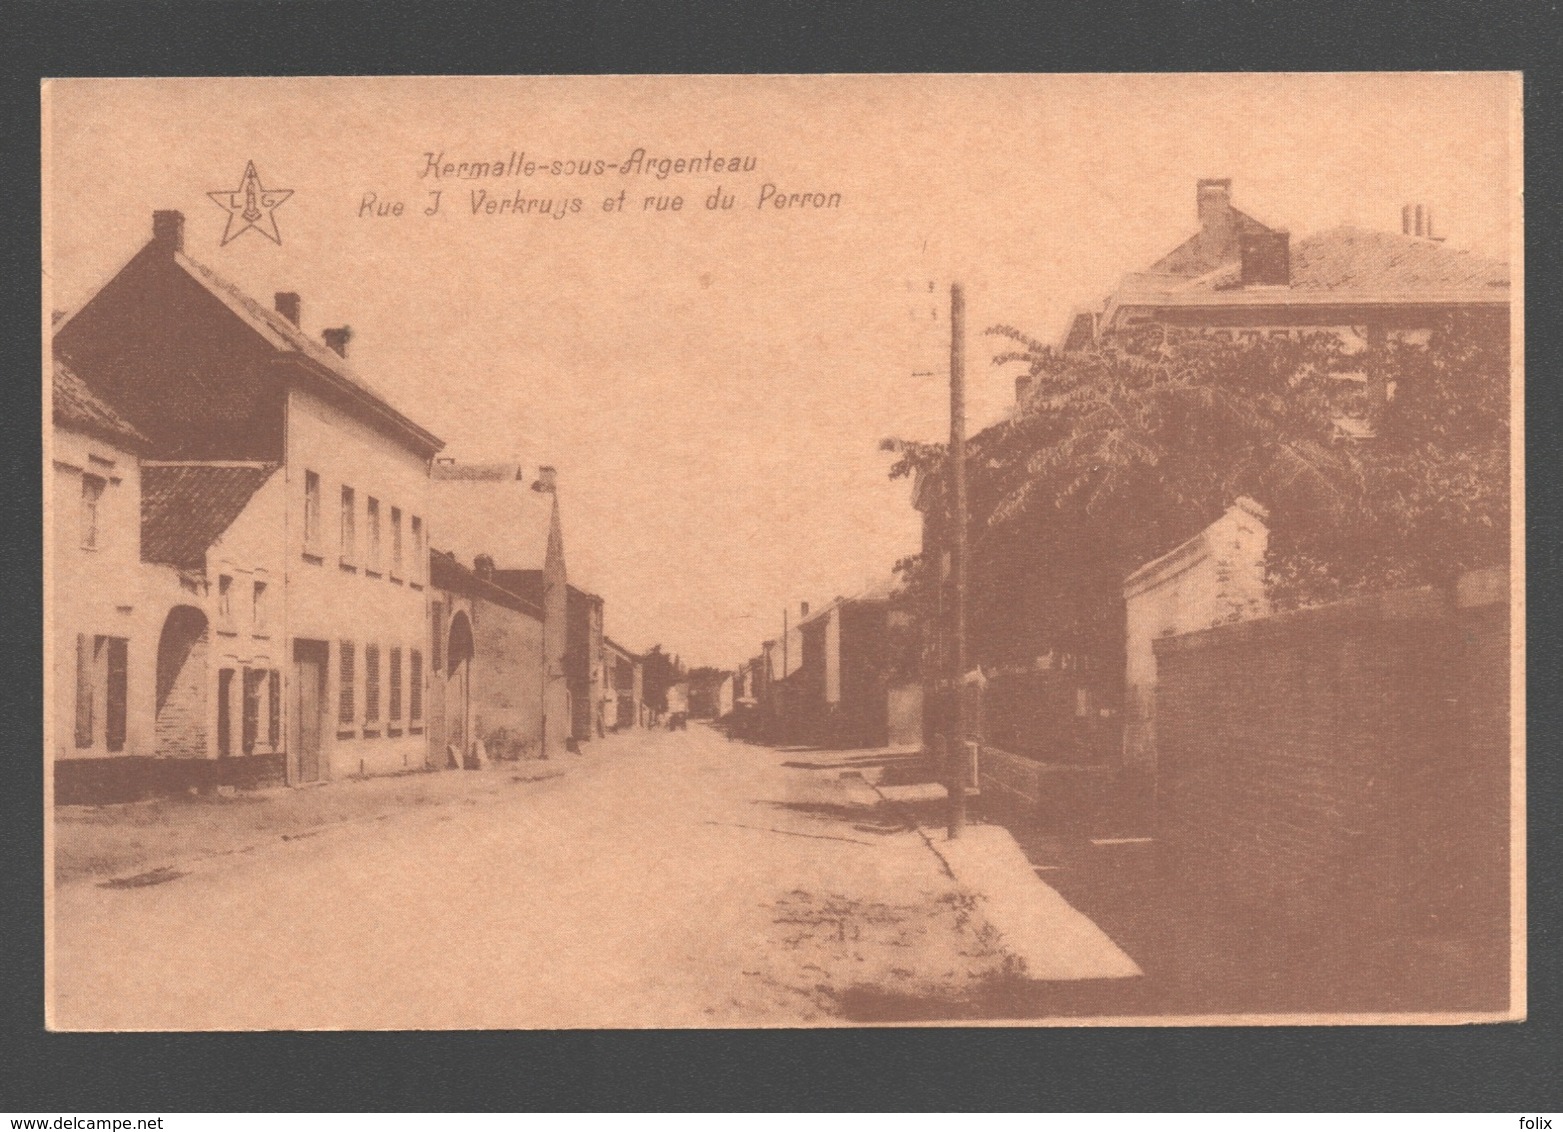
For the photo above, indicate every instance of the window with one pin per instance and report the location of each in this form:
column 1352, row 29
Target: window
column 395, row 678
column 254, row 680
column 345, row 707
column 116, row 696
column 371, row 684
column 414, row 686
column 396, row 542
column 258, row 608
column 349, row 526
column 274, row 708
column 91, row 493
column 437, row 635
column 102, row 675
column 86, row 686
column 420, row 556
column 225, row 603
column 372, row 516
column 225, row 711
column 311, row 510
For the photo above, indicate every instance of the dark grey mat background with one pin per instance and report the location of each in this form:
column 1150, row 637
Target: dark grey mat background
column 1508, row 1068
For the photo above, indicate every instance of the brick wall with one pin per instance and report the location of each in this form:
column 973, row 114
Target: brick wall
column 1342, row 769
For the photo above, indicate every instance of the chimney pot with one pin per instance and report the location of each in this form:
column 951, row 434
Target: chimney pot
column 483, row 566
column 287, row 304
column 168, row 229
column 337, row 338
column 803, row 609
column 547, row 479
column 1405, row 220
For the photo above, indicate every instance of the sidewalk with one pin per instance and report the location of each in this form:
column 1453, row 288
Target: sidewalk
column 124, row 842
column 1050, row 939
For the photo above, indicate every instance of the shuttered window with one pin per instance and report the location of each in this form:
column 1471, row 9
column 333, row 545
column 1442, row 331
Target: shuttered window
column 225, row 711
column 117, row 694
column 346, row 709
column 85, row 688
column 395, row 677
column 254, row 678
column 371, row 683
column 274, row 708
column 415, row 686
column 437, row 637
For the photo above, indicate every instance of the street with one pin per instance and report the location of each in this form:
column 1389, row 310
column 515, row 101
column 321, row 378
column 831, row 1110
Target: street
column 668, row 879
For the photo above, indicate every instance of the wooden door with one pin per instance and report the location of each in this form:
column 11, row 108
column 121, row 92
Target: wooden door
column 309, row 678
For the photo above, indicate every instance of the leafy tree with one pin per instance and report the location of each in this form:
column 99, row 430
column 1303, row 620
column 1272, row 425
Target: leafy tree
column 1120, row 452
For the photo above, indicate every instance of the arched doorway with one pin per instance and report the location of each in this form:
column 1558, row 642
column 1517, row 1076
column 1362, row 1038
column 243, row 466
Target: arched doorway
column 180, row 725
column 458, row 687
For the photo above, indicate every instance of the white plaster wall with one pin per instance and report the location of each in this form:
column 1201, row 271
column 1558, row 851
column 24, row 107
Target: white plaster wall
column 332, row 601
column 99, row 591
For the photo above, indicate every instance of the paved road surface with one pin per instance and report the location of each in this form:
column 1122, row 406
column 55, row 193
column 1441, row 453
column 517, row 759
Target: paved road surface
column 670, row 879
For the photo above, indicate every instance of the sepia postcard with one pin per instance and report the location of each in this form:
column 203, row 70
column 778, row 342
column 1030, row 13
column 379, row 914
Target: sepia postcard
column 783, row 551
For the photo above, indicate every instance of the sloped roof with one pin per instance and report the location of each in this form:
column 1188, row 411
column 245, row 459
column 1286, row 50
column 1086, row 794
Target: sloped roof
column 285, row 337
column 185, row 507
column 491, row 509
column 610, row 643
column 1195, row 256
column 75, row 406
column 447, row 574
column 1341, row 265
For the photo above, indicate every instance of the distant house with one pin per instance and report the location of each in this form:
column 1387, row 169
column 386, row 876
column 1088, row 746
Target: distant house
column 849, row 694
column 485, row 655
column 627, row 707
column 290, row 499
column 1240, row 277
column 510, row 514
column 1215, row 578
column 583, row 663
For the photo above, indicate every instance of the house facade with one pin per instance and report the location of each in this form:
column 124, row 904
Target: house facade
column 485, row 675
column 103, row 624
column 509, row 515
column 583, row 664
column 307, row 606
column 627, row 707
column 856, row 686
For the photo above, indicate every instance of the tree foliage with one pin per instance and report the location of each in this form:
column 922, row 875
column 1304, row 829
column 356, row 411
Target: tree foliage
column 1120, row 452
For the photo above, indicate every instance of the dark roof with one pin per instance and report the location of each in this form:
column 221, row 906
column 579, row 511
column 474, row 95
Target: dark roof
column 1194, row 256
column 609, row 642
column 322, row 361
column 447, row 574
column 1362, row 260
column 185, row 507
column 77, row 407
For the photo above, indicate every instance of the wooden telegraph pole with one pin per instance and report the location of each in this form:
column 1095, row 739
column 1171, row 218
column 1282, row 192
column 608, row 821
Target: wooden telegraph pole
column 957, row 716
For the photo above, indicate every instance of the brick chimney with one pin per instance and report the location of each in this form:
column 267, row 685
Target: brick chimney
column 337, row 337
column 803, row 609
column 1213, row 197
column 1267, row 259
column 483, row 567
column 168, row 230
column 547, row 479
column 287, row 304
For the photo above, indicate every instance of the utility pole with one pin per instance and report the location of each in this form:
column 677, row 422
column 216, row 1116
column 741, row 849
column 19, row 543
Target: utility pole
column 956, row 750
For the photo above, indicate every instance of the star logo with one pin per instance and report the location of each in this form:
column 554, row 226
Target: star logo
column 251, row 206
